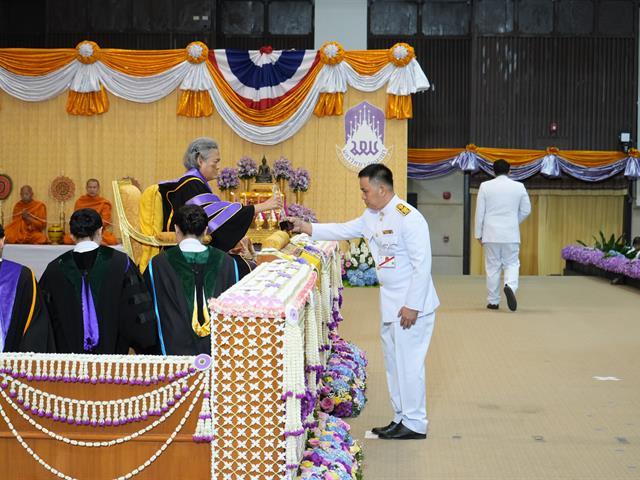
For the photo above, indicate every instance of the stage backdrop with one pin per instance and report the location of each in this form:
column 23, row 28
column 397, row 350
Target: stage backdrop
column 558, row 218
column 41, row 141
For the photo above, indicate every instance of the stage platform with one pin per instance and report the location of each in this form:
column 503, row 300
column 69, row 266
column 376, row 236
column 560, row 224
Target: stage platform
column 549, row 392
column 37, row 257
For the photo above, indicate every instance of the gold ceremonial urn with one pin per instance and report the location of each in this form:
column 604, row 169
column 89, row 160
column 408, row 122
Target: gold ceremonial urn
column 55, row 233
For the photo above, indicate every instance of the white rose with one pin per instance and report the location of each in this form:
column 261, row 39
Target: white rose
column 370, row 261
column 362, row 258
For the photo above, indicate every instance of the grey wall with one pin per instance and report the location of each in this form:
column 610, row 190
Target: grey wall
column 343, row 21
column 445, row 218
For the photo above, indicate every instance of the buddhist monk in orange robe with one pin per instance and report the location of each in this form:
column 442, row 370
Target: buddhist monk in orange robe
column 101, row 205
column 29, row 220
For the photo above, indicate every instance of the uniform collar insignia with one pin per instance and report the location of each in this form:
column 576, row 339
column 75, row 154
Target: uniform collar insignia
column 403, row 209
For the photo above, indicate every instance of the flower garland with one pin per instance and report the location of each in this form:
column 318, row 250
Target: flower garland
column 30, row 402
column 358, row 267
column 332, row 453
column 228, row 179
column 247, row 167
column 344, row 382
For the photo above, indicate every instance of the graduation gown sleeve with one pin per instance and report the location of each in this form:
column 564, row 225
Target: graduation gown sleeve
column 30, row 328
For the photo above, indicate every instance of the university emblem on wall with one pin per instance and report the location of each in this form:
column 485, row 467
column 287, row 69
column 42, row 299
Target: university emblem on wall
column 364, row 137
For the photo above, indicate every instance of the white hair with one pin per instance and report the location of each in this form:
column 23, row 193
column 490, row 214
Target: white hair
column 200, row 146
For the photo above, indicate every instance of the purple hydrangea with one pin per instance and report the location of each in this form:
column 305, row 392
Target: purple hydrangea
column 247, row 167
column 611, row 262
column 300, row 211
column 282, row 168
column 228, row 179
column 300, row 180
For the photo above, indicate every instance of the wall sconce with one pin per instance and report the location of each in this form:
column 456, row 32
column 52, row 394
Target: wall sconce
column 553, row 128
column 625, row 141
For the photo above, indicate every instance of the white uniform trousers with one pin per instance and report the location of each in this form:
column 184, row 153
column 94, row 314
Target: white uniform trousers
column 499, row 257
column 405, row 352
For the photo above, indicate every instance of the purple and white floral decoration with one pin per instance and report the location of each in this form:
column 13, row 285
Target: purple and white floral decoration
column 247, row 167
column 228, row 179
column 300, row 180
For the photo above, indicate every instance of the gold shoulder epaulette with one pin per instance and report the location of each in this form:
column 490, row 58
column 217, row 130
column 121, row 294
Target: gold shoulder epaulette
column 403, row 209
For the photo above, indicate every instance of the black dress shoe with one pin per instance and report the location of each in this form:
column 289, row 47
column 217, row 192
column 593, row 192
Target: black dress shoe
column 386, row 428
column 493, row 306
column 512, row 303
column 400, row 432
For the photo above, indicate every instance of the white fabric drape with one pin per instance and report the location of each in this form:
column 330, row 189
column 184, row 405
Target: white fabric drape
column 84, row 78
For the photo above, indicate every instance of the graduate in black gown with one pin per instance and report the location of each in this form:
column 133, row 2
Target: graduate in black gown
column 96, row 298
column 24, row 322
column 228, row 222
column 181, row 280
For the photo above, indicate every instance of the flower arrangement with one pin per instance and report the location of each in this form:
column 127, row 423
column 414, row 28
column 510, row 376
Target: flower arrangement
column 610, row 261
column 300, row 211
column 282, row 169
column 247, row 167
column 228, row 179
column 331, row 452
column 344, row 381
column 358, row 265
column 62, row 188
column 300, row 180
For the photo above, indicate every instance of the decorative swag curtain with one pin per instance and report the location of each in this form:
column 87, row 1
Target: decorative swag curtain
column 265, row 95
column 588, row 166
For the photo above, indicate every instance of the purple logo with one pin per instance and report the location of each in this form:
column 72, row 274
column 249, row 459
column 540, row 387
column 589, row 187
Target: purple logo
column 364, row 137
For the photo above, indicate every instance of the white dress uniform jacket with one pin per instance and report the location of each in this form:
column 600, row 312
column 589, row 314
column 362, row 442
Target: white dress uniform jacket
column 399, row 231
column 501, row 206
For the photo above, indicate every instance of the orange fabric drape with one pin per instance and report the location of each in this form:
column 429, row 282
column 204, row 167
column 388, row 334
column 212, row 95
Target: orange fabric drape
column 195, row 104
column 399, row 107
column 329, row 104
column 142, row 63
column 35, row 62
column 517, row 157
column 90, row 103
column 432, row 155
column 367, row 62
column 269, row 116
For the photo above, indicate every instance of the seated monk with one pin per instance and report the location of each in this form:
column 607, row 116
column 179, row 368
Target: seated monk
column 29, row 220
column 101, row 205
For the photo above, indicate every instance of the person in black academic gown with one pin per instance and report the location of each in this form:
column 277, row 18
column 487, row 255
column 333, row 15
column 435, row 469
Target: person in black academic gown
column 181, row 280
column 24, row 322
column 228, row 222
column 96, row 298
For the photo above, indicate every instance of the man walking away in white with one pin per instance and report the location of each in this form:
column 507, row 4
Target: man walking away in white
column 501, row 207
column 398, row 237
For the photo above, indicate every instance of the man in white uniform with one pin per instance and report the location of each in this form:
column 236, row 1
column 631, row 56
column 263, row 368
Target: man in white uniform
column 398, row 238
column 501, row 207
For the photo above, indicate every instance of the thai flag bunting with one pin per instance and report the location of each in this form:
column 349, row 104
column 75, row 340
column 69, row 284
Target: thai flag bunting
column 262, row 78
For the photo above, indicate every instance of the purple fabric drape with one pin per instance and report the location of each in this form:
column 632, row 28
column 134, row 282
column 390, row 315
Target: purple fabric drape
column 9, row 276
column 550, row 165
column 89, row 317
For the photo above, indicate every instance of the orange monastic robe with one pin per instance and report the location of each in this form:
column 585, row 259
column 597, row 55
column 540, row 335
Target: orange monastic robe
column 103, row 207
column 32, row 231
